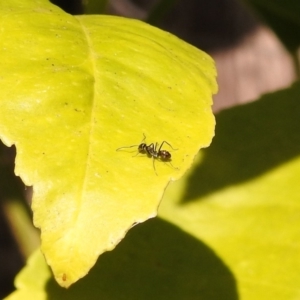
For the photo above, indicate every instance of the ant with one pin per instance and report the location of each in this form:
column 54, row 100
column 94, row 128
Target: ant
column 151, row 151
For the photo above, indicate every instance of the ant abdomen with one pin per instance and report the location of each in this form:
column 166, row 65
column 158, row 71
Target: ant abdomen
column 165, row 155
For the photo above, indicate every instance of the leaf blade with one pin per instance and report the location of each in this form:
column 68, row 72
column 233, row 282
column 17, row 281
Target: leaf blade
column 73, row 111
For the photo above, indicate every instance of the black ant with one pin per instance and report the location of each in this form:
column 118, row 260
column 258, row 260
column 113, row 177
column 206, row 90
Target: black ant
column 151, row 151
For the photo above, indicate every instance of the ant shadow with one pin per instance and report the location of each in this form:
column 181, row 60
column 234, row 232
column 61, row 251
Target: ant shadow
column 250, row 140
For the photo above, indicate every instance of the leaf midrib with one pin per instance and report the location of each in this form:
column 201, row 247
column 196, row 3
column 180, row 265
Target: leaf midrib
column 91, row 58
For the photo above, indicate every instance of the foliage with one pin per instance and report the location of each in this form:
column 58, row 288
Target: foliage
column 67, row 114
column 235, row 238
column 283, row 17
column 228, row 229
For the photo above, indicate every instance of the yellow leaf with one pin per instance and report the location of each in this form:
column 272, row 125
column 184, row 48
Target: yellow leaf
column 75, row 89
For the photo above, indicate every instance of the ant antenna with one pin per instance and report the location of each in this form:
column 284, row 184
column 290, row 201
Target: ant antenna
column 139, row 145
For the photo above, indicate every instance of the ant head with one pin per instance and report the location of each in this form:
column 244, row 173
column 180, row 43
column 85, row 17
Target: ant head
column 142, row 148
column 165, row 155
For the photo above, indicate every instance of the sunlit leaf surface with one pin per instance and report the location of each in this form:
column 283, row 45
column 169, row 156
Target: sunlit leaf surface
column 75, row 89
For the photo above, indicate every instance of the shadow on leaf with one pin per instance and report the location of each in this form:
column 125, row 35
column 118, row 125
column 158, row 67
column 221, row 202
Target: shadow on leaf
column 156, row 261
column 250, row 140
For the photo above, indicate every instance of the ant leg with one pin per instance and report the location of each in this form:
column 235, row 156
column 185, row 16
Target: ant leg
column 153, row 161
column 154, row 157
column 156, row 152
column 160, row 146
column 175, row 168
column 137, row 153
column 133, row 145
column 167, row 144
column 170, row 145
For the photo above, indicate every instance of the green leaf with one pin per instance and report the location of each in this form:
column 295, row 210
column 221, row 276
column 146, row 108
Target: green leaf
column 283, row 17
column 159, row 10
column 75, row 89
column 95, row 6
column 243, row 198
column 31, row 281
column 230, row 228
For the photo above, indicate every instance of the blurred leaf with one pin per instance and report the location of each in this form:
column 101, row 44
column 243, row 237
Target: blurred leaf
column 159, row 10
column 31, row 281
column 95, row 6
column 243, row 198
column 283, row 17
column 73, row 90
column 20, row 223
